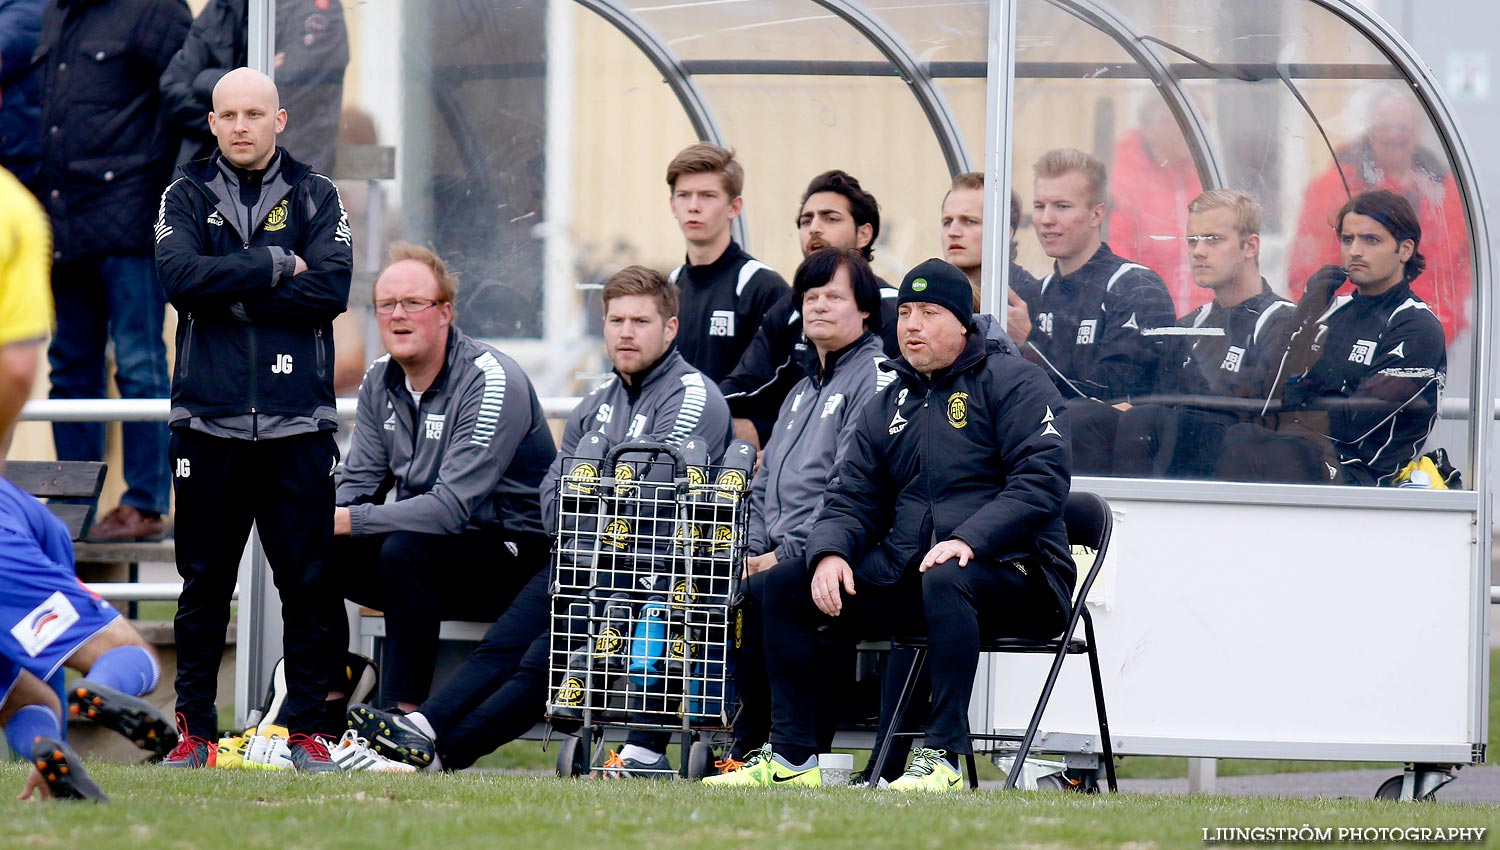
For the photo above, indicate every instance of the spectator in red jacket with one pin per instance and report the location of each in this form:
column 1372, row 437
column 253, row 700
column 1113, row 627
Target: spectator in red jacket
column 1387, row 156
column 1153, row 179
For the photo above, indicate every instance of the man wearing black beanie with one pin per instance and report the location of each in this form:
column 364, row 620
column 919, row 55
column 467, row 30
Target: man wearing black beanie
column 947, row 511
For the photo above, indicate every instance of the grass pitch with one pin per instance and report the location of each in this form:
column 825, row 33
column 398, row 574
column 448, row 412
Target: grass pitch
column 164, row 810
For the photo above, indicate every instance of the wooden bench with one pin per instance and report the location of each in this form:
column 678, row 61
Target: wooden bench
column 77, row 480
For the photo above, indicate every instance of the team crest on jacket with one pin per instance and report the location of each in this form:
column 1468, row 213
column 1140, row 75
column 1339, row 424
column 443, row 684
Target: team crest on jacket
column 276, row 218
column 958, row 410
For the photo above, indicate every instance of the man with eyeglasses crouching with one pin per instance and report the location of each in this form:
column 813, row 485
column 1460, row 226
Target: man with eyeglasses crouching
column 456, row 428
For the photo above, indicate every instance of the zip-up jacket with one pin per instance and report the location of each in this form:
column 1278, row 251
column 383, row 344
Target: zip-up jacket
column 470, row 456
column 1232, row 352
column 810, row 438
column 1382, row 369
column 668, row 403
column 1086, row 328
column 980, row 453
column 105, row 152
column 720, row 307
column 772, row 363
column 252, row 337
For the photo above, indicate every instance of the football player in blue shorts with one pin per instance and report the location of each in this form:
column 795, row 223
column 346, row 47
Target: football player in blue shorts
column 48, row 620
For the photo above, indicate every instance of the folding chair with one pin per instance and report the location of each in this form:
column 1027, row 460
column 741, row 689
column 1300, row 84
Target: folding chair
column 1089, row 524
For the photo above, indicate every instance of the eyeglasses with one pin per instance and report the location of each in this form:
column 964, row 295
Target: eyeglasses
column 1210, row 241
column 410, row 305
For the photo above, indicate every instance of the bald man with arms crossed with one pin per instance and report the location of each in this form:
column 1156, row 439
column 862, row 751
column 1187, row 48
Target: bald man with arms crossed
column 255, row 253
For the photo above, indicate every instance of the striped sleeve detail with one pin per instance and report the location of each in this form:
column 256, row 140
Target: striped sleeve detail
column 690, row 412
column 883, row 377
column 493, row 400
column 161, row 228
column 747, row 271
column 1120, row 272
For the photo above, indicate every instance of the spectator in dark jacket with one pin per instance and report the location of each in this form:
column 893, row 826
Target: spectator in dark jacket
column 946, row 512
column 312, row 49
column 20, row 94
column 105, row 159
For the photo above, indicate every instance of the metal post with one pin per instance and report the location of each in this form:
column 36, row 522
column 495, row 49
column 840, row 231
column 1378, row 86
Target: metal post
column 1203, row 775
column 999, row 132
column 256, row 645
column 995, row 282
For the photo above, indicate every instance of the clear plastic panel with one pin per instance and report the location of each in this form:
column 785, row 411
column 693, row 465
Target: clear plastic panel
column 1284, row 90
column 753, row 30
column 457, row 97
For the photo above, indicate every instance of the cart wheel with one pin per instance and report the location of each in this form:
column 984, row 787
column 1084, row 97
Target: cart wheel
column 700, row 760
column 1052, row 782
column 573, row 755
column 1391, row 790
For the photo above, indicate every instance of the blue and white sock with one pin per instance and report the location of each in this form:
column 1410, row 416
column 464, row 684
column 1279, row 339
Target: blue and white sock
column 27, row 724
column 128, row 669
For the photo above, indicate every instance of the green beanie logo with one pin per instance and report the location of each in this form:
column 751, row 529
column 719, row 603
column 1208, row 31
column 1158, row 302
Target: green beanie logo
column 919, row 285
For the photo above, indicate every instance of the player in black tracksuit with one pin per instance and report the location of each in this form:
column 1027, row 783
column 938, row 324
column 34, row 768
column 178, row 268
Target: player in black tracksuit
column 1219, row 372
column 256, row 258
column 1362, row 409
column 835, row 212
column 1086, row 328
column 723, row 303
column 974, row 454
column 1220, row 364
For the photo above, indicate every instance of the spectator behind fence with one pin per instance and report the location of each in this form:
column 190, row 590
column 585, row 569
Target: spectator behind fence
column 836, row 212
column 1363, row 373
column 725, row 292
column 20, row 88
column 1154, row 179
column 1389, row 156
column 498, row 692
column 105, row 160
column 312, row 50
column 255, row 254
column 454, row 426
column 946, row 513
column 1222, row 357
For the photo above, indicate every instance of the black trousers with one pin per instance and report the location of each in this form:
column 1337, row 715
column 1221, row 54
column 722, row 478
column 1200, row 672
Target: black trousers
column 809, row 655
column 1094, row 424
column 752, row 726
column 419, row 580
column 1292, row 456
column 286, row 488
column 500, row 690
column 1157, row 441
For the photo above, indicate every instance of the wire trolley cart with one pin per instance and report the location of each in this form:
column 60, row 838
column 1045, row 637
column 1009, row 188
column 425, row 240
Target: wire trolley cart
column 647, row 560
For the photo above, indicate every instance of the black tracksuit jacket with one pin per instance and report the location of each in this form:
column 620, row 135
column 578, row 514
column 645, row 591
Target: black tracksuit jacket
column 981, row 454
column 1086, row 328
column 252, row 338
column 1383, row 366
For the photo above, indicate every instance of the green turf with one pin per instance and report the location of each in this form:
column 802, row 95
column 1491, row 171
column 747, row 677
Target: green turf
column 156, row 808
column 528, row 755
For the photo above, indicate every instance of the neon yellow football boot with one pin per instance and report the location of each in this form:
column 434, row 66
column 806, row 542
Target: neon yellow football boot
column 231, row 754
column 765, row 769
column 929, row 771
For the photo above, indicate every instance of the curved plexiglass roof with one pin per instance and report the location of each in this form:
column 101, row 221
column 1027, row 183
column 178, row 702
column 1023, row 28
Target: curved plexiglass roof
column 528, row 141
